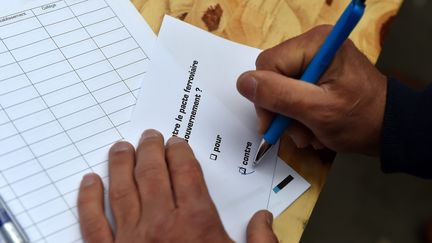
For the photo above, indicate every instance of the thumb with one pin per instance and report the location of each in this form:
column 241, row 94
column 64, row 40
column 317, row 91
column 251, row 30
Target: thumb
column 260, row 229
column 281, row 94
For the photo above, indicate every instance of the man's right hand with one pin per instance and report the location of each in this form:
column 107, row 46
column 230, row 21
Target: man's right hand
column 343, row 112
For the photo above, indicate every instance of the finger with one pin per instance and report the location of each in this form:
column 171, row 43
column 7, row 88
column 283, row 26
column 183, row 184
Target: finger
column 301, row 135
column 264, row 119
column 151, row 175
column 280, row 94
column 123, row 193
column 292, row 56
column 93, row 223
column 260, row 230
column 186, row 175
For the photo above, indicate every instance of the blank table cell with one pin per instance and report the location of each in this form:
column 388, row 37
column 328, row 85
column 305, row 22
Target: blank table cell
column 119, row 47
column 48, row 210
column 27, row 38
column 50, row 144
column 13, row 84
column 30, row 184
column 97, row 16
column 94, row 70
column 104, row 26
column 15, row 158
column 56, row 223
column 7, row 130
column 34, row 120
column 59, row 156
column 42, row 60
column 26, row 108
column 49, row 72
column 90, row 129
column 102, row 81
column 34, row 49
column 9, row 71
column 65, row 94
column 22, row 171
column 81, row 117
column 42, row 132
column 34, row 198
column 79, row 48
column 110, row 92
column 87, row 59
column 65, row 169
column 57, row 83
column 88, row 6
column 71, row 37
column 64, row 26
column 19, row 27
column 6, row 59
column 128, row 57
column 111, row 37
column 18, row 96
column 75, row 105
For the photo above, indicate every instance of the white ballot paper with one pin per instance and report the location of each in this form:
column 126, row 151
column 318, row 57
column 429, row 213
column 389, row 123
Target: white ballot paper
column 190, row 92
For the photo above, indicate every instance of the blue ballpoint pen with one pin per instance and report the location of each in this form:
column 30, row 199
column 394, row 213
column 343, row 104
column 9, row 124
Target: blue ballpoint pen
column 319, row 64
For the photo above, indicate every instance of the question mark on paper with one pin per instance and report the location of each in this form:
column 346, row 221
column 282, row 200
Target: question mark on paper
column 198, row 90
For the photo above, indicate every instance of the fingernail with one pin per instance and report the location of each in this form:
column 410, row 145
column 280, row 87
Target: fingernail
column 174, row 140
column 120, row 147
column 247, row 86
column 88, row 180
column 151, row 133
column 269, row 218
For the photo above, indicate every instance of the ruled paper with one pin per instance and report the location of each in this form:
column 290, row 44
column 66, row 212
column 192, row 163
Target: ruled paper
column 70, row 72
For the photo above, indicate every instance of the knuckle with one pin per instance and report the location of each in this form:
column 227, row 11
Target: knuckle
column 188, row 169
column 147, row 170
column 315, row 36
column 263, row 59
column 120, row 194
column 322, row 29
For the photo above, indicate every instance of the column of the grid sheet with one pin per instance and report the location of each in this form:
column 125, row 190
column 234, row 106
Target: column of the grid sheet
column 122, row 51
column 41, row 61
column 85, row 121
column 6, row 130
column 26, row 109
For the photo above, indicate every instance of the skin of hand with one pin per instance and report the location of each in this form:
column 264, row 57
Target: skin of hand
column 344, row 111
column 157, row 194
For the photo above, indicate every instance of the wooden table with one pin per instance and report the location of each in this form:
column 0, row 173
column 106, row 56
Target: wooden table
column 263, row 24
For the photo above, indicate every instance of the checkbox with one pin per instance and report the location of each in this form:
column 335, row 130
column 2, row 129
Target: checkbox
column 213, row 157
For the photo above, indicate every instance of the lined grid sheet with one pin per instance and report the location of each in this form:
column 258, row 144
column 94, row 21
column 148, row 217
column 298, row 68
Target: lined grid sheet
column 70, row 72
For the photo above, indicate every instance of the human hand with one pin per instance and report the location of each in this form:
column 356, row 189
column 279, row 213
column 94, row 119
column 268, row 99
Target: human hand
column 343, row 112
column 157, row 194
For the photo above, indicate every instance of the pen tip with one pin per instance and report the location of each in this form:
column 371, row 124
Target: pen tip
column 262, row 151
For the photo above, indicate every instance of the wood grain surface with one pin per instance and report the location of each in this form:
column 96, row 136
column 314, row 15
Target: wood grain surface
column 263, row 24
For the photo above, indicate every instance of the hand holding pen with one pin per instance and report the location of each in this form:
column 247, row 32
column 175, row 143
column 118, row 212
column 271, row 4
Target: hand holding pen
column 343, row 111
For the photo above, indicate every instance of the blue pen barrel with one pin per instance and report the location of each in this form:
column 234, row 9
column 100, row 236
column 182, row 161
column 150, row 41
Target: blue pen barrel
column 279, row 124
